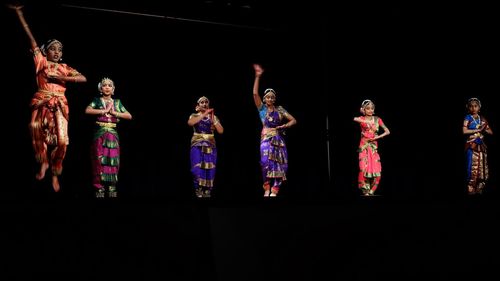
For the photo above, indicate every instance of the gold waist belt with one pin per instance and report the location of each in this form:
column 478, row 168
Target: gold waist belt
column 203, row 136
column 49, row 93
column 104, row 124
column 197, row 137
column 268, row 133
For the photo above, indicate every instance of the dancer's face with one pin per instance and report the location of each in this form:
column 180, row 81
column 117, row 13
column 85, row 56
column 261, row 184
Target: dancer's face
column 54, row 52
column 107, row 89
column 204, row 104
column 474, row 107
column 270, row 99
column 369, row 110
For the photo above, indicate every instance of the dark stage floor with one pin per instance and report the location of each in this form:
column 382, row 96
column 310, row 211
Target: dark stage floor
column 361, row 239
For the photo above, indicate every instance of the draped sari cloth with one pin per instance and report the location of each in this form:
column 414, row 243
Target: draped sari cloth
column 476, row 156
column 203, row 156
column 105, row 150
column 50, row 113
column 370, row 166
column 273, row 151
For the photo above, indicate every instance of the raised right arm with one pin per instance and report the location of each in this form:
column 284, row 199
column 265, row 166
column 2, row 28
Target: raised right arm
column 19, row 12
column 256, row 98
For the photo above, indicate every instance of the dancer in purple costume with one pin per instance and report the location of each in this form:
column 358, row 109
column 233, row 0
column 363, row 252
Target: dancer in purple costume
column 106, row 146
column 203, row 148
column 273, row 152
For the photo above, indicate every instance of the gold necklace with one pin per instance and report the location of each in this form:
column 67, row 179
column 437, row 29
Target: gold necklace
column 106, row 100
column 269, row 117
column 478, row 121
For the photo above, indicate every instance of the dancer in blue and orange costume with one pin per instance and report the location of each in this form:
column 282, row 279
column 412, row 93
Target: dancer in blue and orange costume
column 49, row 106
column 475, row 127
column 106, row 145
column 273, row 152
column 370, row 166
column 203, row 148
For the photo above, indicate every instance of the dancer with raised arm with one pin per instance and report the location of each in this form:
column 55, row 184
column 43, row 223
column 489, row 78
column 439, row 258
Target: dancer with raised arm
column 49, row 107
column 273, row 152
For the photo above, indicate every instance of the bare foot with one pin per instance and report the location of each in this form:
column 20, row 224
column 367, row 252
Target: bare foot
column 55, row 184
column 274, row 191
column 266, row 193
column 41, row 174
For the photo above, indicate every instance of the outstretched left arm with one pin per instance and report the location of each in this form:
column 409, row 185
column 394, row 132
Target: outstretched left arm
column 291, row 121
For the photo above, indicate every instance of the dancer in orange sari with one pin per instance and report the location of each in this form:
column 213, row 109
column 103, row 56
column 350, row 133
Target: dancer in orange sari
column 370, row 167
column 49, row 107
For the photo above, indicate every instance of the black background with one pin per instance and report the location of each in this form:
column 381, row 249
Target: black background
column 418, row 63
